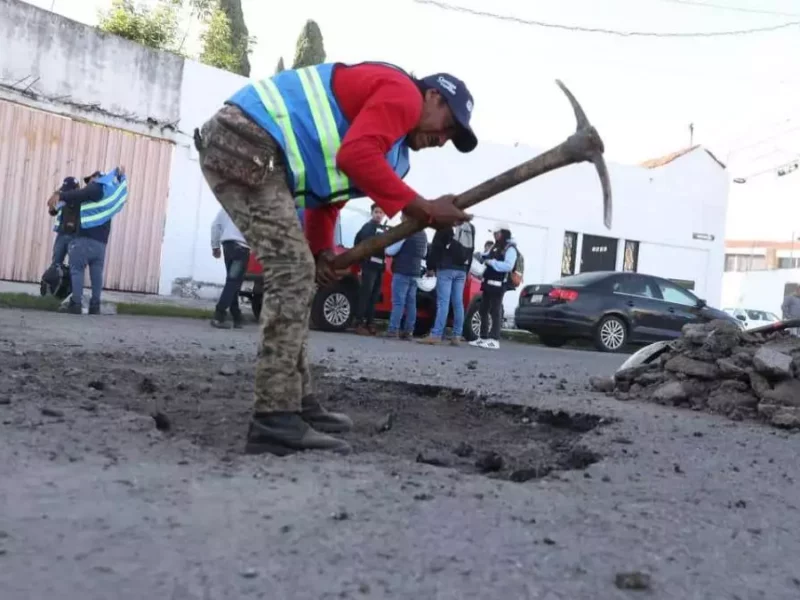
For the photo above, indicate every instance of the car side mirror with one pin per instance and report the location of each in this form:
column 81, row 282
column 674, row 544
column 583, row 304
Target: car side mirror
column 741, row 317
column 701, row 303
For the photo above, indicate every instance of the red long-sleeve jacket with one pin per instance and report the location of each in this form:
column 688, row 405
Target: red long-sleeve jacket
column 382, row 105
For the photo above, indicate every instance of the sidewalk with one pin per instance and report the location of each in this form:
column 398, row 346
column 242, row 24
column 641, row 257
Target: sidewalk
column 110, row 299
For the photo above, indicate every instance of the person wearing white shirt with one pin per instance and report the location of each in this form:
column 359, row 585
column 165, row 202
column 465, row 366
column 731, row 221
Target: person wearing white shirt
column 236, row 253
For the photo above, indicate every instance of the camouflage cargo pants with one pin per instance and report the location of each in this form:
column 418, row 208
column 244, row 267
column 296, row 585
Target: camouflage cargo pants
column 244, row 167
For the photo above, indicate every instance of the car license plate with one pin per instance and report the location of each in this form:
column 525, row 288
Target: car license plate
column 536, row 299
column 247, row 286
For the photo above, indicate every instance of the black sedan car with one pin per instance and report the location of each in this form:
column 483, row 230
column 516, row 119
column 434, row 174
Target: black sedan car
column 611, row 308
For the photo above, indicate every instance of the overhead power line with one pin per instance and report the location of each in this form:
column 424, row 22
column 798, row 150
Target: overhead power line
column 754, row 11
column 764, row 140
column 578, row 28
column 780, row 170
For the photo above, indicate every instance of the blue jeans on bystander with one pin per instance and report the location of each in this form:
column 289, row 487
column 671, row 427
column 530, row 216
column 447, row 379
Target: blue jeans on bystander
column 61, row 247
column 404, row 299
column 86, row 252
column 449, row 290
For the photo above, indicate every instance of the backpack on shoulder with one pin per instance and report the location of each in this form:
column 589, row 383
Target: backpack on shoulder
column 517, row 273
column 462, row 244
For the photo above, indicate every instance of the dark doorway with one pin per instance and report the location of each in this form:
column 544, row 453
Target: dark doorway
column 598, row 253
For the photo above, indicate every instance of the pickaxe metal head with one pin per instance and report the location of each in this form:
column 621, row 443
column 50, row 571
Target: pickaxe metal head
column 588, row 146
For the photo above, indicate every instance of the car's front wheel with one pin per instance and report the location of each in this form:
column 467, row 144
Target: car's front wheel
column 611, row 334
column 333, row 308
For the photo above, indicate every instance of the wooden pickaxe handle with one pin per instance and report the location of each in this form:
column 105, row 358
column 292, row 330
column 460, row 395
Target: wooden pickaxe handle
column 584, row 145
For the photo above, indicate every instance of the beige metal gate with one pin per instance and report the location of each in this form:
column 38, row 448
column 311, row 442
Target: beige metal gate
column 37, row 150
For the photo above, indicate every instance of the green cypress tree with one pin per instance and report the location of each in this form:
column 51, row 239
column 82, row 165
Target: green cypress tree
column 310, row 47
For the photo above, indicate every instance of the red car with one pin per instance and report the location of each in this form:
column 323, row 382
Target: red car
column 334, row 305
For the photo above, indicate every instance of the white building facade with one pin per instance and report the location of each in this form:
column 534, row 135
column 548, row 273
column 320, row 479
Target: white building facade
column 669, row 217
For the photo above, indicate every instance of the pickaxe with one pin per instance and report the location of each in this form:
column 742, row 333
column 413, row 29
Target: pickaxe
column 583, row 145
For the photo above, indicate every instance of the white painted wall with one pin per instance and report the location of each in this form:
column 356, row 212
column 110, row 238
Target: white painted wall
column 673, row 262
column 758, row 290
column 76, row 70
column 186, row 250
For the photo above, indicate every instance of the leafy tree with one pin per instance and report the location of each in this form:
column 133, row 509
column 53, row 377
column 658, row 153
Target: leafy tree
column 225, row 40
column 219, row 48
column 155, row 27
column 240, row 40
column 310, row 48
column 280, row 67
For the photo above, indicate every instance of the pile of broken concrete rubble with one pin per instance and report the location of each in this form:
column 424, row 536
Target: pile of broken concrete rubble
column 719, row 368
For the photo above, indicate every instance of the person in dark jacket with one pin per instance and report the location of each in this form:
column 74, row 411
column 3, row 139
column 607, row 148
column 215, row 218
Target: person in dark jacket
column 499, row 261
column 66, row 223
column 88, row 248
column 407, row 256
column 371, row 274
column 450, row 258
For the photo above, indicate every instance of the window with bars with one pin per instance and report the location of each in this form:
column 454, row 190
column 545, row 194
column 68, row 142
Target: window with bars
column 630, row 261
column 745, row 262
column 568, row 254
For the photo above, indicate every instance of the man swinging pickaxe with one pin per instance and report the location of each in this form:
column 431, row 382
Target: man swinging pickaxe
column 584, row 145
column 313, row 138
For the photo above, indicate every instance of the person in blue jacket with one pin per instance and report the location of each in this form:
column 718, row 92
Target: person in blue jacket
column 103, row 196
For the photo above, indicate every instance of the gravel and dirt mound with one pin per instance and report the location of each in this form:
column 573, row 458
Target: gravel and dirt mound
column 718, row 368
column 209, row 403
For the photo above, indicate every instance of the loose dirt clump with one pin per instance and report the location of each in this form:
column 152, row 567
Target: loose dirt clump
column 718, row 368
column 192, row 398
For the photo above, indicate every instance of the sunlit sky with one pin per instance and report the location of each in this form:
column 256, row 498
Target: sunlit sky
column 742, row 92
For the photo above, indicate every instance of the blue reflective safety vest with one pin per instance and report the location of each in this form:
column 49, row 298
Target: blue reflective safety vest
column 115, row 194
column 299, row 110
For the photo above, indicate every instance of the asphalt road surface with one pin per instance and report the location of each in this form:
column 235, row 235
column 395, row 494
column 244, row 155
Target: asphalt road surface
column 96, row 503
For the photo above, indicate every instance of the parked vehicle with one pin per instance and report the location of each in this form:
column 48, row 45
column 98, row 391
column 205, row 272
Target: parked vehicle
column 333, row 306
column 611, row 308
column 752, row 318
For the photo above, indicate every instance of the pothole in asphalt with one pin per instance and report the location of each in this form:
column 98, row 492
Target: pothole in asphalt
column 451, row 428
column 210, row 405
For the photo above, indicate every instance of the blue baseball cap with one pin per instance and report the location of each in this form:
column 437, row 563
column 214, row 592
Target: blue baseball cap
column 69, row 183
column 460, row 101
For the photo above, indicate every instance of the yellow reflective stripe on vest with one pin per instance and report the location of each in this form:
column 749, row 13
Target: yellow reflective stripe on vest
column 273, row 101
column 112, row 200
column 326, row 126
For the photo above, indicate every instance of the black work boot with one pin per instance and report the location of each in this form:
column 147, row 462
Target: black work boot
column 320, row 419
column 238, row 321
column 94, row 309
column 74, row 309
column 283, row 433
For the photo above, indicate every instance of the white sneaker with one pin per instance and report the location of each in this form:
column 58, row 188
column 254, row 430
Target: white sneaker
column 490, row 344
column 476, row 343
